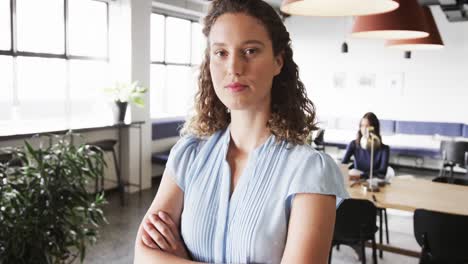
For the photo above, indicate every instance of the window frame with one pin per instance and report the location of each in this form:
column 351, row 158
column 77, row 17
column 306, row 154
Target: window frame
column 66, row 56
column 164, row 61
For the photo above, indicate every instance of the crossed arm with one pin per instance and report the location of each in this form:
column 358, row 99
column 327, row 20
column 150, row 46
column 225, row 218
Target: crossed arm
column 309, row 237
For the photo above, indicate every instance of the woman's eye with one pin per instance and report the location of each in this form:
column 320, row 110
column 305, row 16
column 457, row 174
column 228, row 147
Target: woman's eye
column 220, row 53
column 250, row 51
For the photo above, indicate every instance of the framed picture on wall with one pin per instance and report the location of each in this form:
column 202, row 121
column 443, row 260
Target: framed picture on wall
column 339, row 80
column 394, row 83
column 366, row 81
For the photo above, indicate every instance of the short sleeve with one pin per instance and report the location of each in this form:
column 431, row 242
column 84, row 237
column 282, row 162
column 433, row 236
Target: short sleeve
column 180, row 159
column 318, row 173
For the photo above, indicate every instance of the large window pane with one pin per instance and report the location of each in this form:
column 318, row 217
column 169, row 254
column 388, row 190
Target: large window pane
column 179, row 90
column 178, row 40
column 157, row 37
column 6, row 87
column 88, row 28
column 41, row 88
column 198, row 43
column 41, row 26
column 87, row 80
column 158, row 95
column 5, row 35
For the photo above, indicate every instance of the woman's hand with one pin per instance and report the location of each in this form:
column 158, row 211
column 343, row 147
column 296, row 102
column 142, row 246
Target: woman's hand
column 160, row 232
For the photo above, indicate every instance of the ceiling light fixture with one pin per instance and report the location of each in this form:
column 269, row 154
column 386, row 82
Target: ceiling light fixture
column 432, row 42
column 337, row 7
column 406, row 22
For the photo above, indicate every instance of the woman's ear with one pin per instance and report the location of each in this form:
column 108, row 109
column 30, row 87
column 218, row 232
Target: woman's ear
column 279, row 61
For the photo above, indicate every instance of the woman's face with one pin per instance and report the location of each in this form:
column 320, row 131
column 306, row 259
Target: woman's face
column 242, row 62
column 364, row 125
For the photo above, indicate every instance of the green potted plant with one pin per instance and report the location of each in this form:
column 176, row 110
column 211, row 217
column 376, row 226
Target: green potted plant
column 123, row 93
column 47, row 215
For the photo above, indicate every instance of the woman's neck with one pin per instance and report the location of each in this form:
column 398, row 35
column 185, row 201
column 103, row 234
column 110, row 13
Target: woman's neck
column 249, row 129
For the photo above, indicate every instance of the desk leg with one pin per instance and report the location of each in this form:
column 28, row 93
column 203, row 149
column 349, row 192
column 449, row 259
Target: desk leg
column 141, row 160
column 120, row 184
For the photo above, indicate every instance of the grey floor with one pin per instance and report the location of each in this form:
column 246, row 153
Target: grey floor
column 115, row 244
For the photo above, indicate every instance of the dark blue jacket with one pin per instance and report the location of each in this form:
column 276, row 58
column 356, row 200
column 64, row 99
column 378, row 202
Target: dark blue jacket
column 362, row 159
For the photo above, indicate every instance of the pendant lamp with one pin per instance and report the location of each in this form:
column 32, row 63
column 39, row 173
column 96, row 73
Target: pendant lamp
column 337, row 7
column 432, row 42
column 406, row 22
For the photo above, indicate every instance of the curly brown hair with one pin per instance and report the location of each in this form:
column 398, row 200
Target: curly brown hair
column 292, row 113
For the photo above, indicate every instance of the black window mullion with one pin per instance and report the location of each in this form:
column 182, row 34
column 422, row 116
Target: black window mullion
column 14, row 49
column 171, row 63
column 66, row 29
column 107, row 32
column 191, row 44
column 13, row 25
column 165, row 38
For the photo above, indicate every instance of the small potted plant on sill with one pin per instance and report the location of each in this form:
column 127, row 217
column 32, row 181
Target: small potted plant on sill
column 47, row 215
column 123, row 93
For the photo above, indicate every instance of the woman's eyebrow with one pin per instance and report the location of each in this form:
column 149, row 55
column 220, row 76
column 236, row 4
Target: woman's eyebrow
column 253, row 41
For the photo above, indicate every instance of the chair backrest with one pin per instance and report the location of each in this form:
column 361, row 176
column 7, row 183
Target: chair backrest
column 5, row 157
column 355, row 217
column 451, row 180
column 455, row 151
column 443, row 237
column 319, row 138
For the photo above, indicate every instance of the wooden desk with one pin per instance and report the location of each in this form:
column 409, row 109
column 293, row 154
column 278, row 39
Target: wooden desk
column 408, row 194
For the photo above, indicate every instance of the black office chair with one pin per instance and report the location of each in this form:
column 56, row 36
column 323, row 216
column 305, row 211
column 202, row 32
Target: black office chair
column 453, row 153
column 355, row 224
column 7, row 158
column 108, row 146
column 451, row 180
column 319, row 140
column 383, row 220
column 443, row 237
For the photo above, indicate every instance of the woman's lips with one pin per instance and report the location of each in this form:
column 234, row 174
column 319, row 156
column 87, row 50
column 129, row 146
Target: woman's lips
column 236, row 87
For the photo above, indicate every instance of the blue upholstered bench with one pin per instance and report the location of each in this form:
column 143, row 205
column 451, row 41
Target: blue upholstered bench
column 160, row 157
column 412, row 139
column 161, row 130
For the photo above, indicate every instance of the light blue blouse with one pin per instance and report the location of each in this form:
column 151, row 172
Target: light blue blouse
column 252, row 225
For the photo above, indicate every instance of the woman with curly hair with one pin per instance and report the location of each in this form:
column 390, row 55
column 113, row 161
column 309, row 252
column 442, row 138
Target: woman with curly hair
column 241, row 185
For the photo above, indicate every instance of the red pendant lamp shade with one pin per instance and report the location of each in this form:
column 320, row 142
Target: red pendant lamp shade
column 406, row 22
column 433, row 41
column 337, row 7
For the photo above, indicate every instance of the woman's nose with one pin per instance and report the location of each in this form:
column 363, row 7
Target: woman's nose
column 236, row 66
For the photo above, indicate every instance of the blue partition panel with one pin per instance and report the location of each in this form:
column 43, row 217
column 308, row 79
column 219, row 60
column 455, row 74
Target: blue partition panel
column 428, row 128
column 387, row 127
column 465, row 130
column 166, row 128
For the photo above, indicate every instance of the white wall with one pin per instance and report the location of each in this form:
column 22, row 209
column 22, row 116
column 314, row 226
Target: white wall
column 435, row 83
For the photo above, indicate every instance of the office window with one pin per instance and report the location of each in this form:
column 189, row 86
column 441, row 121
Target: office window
column 6, row 87
column 177, row 46
column 157, row 37
column 88, row 28
column 5, row 36
column 58, row 63
column 178, row 40
column 40, row 26
column 41, row 92
column 198, row 43
column 87, row 78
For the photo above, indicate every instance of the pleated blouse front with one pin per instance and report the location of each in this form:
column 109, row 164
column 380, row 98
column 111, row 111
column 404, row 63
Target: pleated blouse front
column 251, row 225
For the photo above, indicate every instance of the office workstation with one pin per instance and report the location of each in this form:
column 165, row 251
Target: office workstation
column 108, row 85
